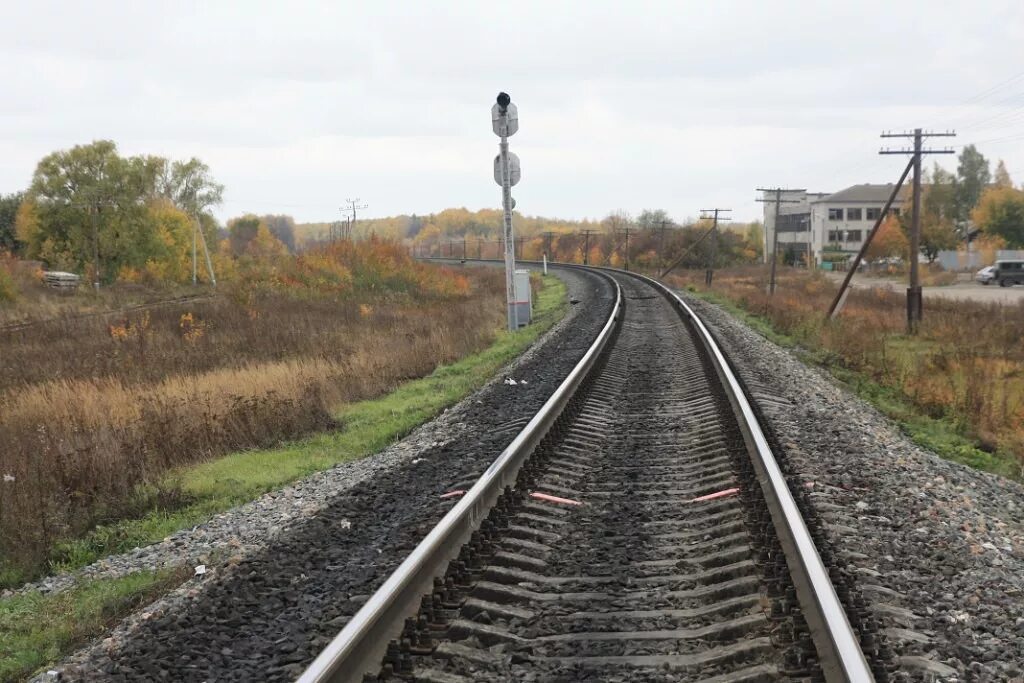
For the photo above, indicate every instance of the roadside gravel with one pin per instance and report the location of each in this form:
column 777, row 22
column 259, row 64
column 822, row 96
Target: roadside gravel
column 936, row 548
column 285, row 572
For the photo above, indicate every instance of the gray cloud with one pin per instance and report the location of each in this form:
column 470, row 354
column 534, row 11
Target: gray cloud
column 627, row 105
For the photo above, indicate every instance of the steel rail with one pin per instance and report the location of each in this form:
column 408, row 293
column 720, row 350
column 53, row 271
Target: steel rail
column 837, row 643
column 360, row 646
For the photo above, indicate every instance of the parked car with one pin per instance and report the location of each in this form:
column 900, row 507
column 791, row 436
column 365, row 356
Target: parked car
column 1009, row 273
column 985, row 275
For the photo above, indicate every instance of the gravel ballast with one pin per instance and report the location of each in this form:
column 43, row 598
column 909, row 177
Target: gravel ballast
column 301, row 561
column 936, row 548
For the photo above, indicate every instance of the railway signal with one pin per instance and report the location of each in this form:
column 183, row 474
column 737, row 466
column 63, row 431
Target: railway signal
column 507, row 172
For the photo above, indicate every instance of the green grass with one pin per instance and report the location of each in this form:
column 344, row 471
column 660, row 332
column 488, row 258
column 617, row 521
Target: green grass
column 942, row 437
column 36, row 629
column 369, row 426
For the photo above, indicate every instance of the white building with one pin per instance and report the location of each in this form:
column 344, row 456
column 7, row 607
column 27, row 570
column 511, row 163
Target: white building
column 819, row 222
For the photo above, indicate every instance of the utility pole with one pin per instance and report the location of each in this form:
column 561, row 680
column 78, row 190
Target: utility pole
column 548, row 236
column 661, row 242
column 775, row 228
column 352, row 205
column 586, row 246
column 914, row 299
column 682, row 256
column 709, row 274
column 627, row 247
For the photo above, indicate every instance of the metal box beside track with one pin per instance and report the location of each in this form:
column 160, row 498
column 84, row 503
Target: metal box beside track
column 524, row 298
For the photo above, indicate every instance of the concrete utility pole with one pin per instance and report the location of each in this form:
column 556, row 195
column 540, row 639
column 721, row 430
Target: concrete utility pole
column 914, row 300
column 507, row 172
column 709, row 274
column 775, row 228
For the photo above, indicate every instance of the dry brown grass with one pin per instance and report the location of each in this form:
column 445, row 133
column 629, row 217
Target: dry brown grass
column 95, row 410
column 965, row 365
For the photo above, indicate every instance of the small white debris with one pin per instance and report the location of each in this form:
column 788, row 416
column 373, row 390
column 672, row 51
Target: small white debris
column 200, row 569
column 53, row 672
column 9, row 477
column 989, row 546
column 417, row 461
column 345, row 524
column 511, row 382
column 522, row 381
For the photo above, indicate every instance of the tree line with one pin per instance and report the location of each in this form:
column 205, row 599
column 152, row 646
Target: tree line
column 974, row 204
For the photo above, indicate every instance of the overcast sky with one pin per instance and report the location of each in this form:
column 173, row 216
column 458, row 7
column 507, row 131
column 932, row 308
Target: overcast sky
column 623, row 105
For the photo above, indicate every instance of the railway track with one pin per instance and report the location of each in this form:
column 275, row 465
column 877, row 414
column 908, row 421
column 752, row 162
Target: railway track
column 638, row 528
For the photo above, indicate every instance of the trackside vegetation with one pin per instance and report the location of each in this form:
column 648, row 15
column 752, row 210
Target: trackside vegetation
column 36, row 629
column 956, row 388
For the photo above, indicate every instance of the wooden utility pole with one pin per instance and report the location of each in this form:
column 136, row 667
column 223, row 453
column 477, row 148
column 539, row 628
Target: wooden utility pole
column 709, row 274
column 685, row 253
column 775, row 228
column 661, row 242
column 586, row 245
column 627, row 247
column 914, row 300
column 548, row 236
column 352, row 206
column 840, row 298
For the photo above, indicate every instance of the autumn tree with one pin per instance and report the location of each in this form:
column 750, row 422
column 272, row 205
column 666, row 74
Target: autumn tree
column 938, row 208
column 890, row 240
column 89, row 202
column 1002, row 176
column 9, row 205
column 282, row 227
column 1000, row 213
column 243, row 230
column 972, row 176
column 650, row 219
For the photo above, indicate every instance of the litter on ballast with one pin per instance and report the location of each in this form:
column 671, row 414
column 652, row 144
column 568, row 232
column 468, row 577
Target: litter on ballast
column 511, row 382
column 453, row 494
column 536, row 495
column 200, row 569
column 9, row 477
column 717, row 494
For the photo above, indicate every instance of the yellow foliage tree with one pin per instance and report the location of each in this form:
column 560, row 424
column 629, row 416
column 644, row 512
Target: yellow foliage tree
column 264, row 247
column 890, row 240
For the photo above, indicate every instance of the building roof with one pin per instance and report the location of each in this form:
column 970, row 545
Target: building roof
column 876, row 194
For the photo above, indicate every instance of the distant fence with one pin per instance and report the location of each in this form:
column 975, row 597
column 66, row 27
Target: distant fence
column 962, row 260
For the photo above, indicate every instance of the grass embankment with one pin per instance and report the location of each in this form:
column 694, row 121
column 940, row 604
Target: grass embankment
column 36, row 629
column 956, row 388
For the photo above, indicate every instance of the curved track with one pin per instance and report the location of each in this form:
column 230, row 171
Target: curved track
column 642, row 538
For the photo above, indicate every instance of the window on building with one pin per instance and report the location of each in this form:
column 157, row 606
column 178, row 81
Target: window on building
column 835, row 235
column 853, row 214
column 835, row 214
column 894, row 212
column 854, row 235
column 873, row 214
